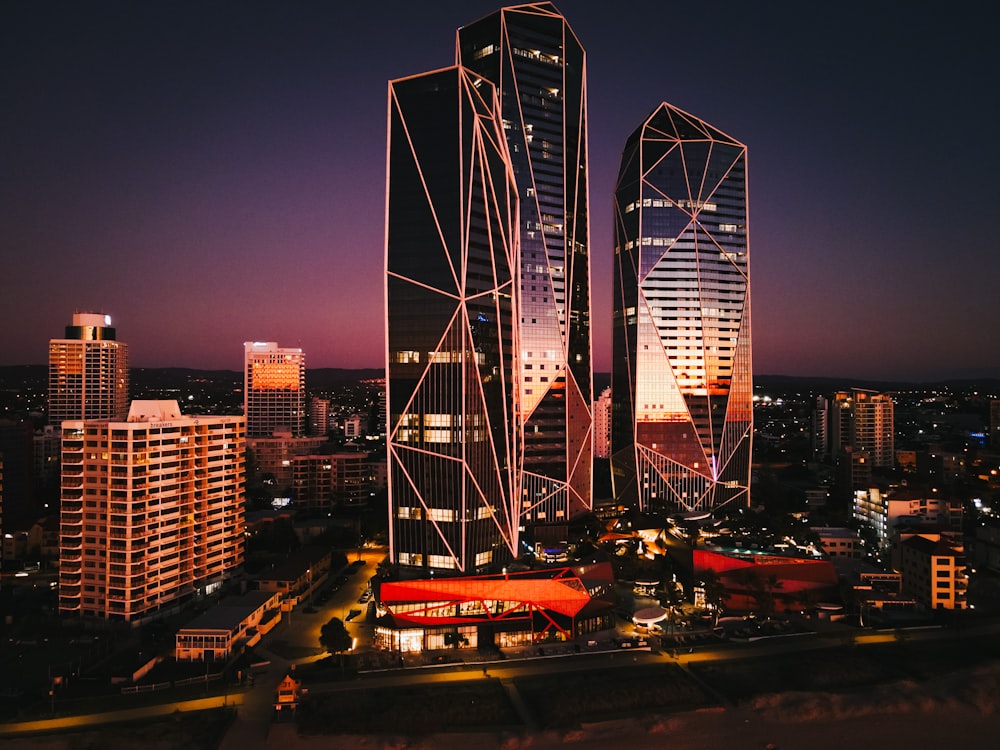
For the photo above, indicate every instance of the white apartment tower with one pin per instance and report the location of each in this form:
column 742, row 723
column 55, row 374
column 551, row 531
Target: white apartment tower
column 88, row 371
column 319, row 415
column 864, row 421
column 152, row 510
column 602, row 424
column 274, row 390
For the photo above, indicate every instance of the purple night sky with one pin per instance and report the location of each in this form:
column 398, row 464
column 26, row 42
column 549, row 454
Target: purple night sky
column 214, row 172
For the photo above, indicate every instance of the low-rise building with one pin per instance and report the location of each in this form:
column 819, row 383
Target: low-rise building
column 839, row 541
column 297, row 577
column 220, row 632
column 501, row 610
column 288, row 695
column 934, row 569
column 884, row 510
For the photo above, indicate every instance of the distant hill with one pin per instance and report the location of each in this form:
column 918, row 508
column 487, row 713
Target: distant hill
column 318, row 379
column 321, row 378
column 829, row 385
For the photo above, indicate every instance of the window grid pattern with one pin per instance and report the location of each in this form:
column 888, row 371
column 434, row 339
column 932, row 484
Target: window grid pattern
column 451, row 273
column 531, row 54
column 682, row 391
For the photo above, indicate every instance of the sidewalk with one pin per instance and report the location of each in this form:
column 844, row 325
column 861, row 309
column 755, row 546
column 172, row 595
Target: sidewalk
column 125, row 714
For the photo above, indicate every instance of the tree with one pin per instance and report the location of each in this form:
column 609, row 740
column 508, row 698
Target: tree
column 334, row 636
column 715, row 592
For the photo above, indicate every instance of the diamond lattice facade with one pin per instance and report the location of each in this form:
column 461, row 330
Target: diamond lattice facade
column 531, row 55
column 451, row 271
column 681, row 381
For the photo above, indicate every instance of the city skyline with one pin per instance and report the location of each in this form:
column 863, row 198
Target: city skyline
column 212, row 183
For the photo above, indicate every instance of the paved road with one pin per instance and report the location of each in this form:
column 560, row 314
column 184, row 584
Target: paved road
column 295, row 641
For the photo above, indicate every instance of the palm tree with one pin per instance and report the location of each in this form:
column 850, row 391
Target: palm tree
column 715, row 593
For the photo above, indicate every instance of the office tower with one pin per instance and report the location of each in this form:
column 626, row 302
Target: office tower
column 862, row 422
column 88, row 371
column 602, row 424
column 319, row 411
column 274, row 389
column 152, row 510
column 450, row 325
column 681, row 380
column 532, row 56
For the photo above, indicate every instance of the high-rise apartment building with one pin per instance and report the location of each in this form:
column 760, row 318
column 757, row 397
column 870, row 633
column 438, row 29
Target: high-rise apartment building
column 324, row 481
column 863, row 422
column 270, row 458
column 319, row 414
column 450, row 325
column 820, row 428
column 88, row 371
column 602, row 424
column 152, row 510
column 682, row 391
column 274, row 389
column 530, row 53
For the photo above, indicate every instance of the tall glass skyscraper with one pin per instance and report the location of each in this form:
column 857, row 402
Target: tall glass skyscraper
column 451, row 312
column 682, row 417
column 539, row 68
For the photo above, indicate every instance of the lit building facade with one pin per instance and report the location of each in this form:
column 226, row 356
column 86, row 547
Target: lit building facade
column 934, row 570
column 863, row 422
column 274, row 389
column 682, row 419
column 355, row 426
column 319, row 415
column 324, row 481
column 451, row 269
column 530, row 53
column 88, row 371
column 503, row 610
column 273, row 458
column 820, row 428
column 152, row 510
column 602, row 424
column 234, row 623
